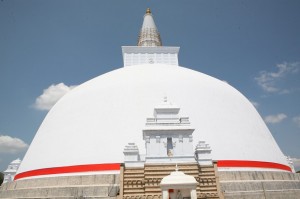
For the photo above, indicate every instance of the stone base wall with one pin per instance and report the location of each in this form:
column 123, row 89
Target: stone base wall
column 259, row 185
column 87, row 186
column 233, row 185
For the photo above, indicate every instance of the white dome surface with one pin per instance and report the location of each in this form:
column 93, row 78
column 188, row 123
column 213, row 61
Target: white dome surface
column 93, row 122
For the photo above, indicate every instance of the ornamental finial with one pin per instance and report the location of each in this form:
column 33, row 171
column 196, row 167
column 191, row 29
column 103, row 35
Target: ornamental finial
column 148, row 11
column 149, row 35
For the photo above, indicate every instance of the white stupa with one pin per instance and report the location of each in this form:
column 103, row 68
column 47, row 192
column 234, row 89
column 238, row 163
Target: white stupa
column 86, row 131
column 11, row 171
column 120, row 135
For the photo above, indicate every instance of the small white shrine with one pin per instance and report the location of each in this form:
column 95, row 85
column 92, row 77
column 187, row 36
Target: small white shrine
column 11, row 170
column 178, row 185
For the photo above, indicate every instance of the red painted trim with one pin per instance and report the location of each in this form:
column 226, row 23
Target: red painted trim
column 257, row 164
column 116, row 167
column 69, row 169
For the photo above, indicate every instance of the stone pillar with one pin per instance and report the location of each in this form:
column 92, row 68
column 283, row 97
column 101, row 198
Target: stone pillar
column 193, row 194
column 165, row 194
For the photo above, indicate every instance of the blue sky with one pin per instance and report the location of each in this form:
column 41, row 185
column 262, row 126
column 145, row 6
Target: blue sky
column 46, row 47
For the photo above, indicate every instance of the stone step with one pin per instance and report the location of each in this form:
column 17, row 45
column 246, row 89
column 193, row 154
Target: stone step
column 133, row 177
column 148, row 196
column 257, row 175
column 130, row 191
column 53, row 192
column 205, row 175
column 208, row 189
column 208, row 195
column 131, row 171
column 207, row 181
column 129, row 179
column 134, row 174
column 205, row 170
column 153, row 192
column 153, row 189
column 133, row 196
column 63, row 181
column 128, row 186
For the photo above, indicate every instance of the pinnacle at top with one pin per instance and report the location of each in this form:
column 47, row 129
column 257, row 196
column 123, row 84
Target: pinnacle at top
column 149, row 49
column 149, row 35
column 148, row 11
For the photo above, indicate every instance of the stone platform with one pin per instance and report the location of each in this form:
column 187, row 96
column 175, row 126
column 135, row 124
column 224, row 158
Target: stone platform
column 259, row 185
column 87, row 186
column 233, row 185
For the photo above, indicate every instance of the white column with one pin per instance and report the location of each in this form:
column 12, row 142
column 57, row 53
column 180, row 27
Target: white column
column 165, row 194
column 193, row 194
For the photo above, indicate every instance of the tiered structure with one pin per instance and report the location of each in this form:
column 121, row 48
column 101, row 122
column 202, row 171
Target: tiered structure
column 168, row 136
column 169, row 142
column 11, row 171
column 90, row 126
column 145, row 182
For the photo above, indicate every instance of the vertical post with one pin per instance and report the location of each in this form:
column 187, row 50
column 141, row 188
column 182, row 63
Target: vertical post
column 165, row 194
column 220, row 193
column 193, row 194
column 120, row 196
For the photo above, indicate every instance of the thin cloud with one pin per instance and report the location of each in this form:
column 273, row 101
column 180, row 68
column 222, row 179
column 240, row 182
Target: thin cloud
column 11, row 145
column 51, row 95
column 297, row 121
column 268, row 81
column 273, row 119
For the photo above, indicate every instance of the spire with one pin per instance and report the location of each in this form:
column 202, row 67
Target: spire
column 149, row 49
column 149, row 35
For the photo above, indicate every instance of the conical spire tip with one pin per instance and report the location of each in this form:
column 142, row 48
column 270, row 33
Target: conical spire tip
column 148, row 11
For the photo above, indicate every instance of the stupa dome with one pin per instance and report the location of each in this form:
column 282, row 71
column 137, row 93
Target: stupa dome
column 87, row 129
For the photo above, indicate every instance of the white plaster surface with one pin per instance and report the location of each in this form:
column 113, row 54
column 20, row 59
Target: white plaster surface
column 135, row 55
column 93, row 122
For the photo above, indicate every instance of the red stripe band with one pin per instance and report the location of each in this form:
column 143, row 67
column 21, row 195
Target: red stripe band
column 256, row 164
column 116, row 167
column 69, row 169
